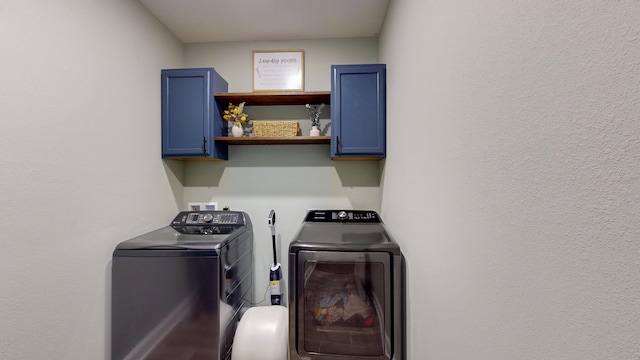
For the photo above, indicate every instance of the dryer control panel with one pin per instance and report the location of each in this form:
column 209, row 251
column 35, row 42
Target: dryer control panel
column 351, row 216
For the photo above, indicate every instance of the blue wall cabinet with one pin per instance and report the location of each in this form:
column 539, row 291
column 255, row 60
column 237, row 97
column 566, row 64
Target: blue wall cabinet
column 358, row 111
column 191, row 118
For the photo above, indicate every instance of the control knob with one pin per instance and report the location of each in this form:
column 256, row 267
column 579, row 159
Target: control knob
column 207, row 218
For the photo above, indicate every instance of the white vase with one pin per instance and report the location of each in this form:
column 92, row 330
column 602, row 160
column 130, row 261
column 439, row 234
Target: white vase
column 237, row 130
column 314, row 131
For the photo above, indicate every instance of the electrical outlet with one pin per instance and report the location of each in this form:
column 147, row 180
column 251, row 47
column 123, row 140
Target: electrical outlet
column 194, row 206
column 210, row 206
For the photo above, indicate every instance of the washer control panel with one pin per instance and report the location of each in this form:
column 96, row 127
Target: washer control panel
column 208, row 218
column 208, row 222
column 351, row 216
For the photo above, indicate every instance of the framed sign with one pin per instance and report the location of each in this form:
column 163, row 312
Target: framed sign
column 278, row 70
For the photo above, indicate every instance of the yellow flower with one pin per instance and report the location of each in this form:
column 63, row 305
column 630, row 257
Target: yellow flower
column 235, row 113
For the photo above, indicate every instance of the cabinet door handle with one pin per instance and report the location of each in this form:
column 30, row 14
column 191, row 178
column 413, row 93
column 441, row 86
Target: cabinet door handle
column 204, row 145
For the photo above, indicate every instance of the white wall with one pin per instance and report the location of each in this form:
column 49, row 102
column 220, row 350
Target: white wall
column 80, row 166
column 516, row 192
column 233, row 60
column 287, row 178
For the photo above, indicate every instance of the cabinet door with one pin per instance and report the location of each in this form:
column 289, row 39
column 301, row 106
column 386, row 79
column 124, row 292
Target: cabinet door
column 190, row 116
column 358, row 111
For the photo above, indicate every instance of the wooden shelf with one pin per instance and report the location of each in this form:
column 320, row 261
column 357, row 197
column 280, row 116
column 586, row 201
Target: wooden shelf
column 275, row 98
column 291, row 140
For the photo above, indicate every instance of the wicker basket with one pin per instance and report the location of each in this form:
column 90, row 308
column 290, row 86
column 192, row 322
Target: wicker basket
column 264, row 128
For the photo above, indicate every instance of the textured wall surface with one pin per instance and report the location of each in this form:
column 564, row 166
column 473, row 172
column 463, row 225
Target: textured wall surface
column 516, row 191
column 80, row 166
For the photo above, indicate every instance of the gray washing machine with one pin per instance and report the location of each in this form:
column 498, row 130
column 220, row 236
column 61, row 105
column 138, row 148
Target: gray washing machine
column 346, row 292
column 178, row 292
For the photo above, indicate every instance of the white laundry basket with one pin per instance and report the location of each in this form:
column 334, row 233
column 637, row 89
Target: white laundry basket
column 263, row 334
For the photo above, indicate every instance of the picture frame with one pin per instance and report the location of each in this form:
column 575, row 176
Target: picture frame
column 278, row 70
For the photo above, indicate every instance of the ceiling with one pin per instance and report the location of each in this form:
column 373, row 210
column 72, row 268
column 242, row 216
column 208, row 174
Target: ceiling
column 195, row 21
